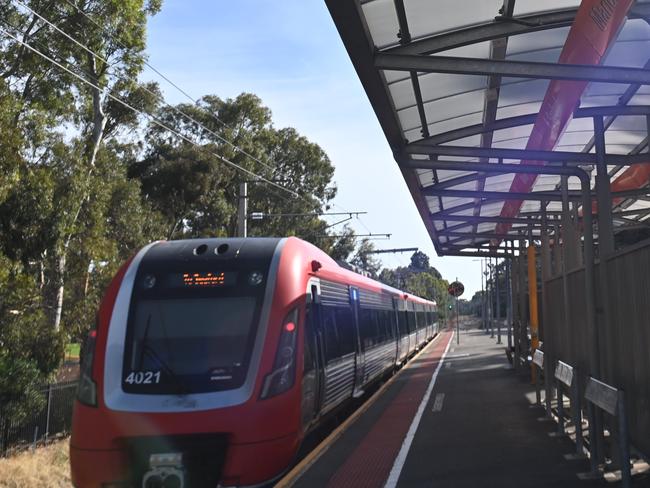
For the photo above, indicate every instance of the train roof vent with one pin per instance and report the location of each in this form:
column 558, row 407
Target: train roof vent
column 221, row 249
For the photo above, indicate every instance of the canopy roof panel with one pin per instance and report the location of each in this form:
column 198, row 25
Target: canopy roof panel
column 463, row 81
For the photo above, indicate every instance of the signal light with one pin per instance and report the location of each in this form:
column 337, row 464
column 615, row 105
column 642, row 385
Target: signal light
column 289, row 326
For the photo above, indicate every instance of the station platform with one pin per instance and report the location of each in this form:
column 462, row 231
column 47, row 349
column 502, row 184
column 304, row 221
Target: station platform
column 455, row 416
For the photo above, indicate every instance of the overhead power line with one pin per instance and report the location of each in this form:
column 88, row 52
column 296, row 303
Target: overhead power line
column 168, row 80
column 181, row 90
column 176, row 109
column 153, row 118
column 367, row 236
column 393, row 251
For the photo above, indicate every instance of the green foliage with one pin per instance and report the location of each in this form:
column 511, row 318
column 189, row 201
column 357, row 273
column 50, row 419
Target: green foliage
column 81, row 189
column 365, row 260
column 30, row 350
column 420, row 279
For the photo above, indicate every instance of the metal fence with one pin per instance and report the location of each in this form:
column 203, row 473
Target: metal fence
column 623, row 323
column 53, row 419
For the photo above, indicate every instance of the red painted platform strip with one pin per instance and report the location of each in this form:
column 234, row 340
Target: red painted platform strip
column 370, row 463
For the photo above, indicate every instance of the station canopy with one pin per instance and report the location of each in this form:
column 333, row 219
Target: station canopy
column 462, row 81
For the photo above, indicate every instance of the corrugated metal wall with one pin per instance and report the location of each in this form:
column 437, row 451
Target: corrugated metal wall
column 623, row 316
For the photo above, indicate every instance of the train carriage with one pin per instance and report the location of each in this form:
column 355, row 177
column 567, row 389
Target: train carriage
column 211, row 360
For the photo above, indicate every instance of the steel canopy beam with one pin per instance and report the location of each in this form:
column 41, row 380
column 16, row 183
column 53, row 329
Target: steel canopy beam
column 501, row 27
column 566, row 157
column 612, row 110
column 472, row 130
column 549, row 196
column 486, row 32
column 480, row 219
column 495, row 195
column 516, row 69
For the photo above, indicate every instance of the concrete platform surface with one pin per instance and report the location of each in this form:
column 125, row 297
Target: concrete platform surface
column 472, row 426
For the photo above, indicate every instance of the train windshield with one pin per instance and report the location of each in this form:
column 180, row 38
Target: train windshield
column 182, row 341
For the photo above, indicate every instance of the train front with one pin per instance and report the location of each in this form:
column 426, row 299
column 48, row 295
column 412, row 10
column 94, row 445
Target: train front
column 189, row 379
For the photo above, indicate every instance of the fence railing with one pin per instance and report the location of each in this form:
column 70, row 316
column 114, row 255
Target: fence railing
column 54, row 419
column 623, row 314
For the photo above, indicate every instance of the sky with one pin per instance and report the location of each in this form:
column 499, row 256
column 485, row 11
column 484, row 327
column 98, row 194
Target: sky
column 289, row 54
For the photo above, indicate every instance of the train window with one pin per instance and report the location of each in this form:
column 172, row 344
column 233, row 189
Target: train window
column 196, row 345
column 366, row 329
column 384, row 325
column 338, row 325
column 403, row 324
column 331, row 336
column 345, row 327
column 412, row 322
column 390, row 320
column 372, row 327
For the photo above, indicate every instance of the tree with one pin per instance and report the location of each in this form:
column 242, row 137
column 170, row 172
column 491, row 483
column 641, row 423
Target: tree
column 419, row 261
column 365, row 260
column 52, row 97
column 188, row 177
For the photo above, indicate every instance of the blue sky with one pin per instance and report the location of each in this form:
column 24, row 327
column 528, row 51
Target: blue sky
column 289, row 53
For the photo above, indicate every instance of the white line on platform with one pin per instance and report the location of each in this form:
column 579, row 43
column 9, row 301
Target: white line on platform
column 437, row 402
column 396, row 470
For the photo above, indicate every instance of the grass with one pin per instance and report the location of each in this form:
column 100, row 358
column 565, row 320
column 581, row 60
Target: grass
column 46, row 467
column 72, row 351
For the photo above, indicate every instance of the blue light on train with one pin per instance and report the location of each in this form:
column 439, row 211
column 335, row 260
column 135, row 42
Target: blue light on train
column 354, row 294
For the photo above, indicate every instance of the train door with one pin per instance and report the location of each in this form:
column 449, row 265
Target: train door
column 340, row 343
column 412, row 326
column 313, row 357
column 360, row 362
column 402, row 325
column 396, row 332
column 417, row 325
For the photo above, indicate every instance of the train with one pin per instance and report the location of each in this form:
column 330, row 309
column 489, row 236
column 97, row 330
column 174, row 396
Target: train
column 212, row 359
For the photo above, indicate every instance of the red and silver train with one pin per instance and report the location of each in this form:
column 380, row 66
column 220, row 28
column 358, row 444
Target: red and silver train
column 211, row 359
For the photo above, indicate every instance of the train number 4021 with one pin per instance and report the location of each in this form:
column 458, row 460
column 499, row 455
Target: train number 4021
column 143, row 377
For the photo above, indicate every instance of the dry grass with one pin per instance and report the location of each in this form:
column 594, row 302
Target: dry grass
column 45, row 467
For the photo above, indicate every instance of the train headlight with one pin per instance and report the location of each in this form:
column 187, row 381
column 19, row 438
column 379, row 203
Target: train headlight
column 284, row 367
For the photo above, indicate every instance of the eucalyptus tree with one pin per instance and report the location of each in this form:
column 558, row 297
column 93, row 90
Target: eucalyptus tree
column 189, row 173
column 68, row 112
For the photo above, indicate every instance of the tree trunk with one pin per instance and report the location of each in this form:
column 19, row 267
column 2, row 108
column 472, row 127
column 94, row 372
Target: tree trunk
column 60, row 280
column 99, row 125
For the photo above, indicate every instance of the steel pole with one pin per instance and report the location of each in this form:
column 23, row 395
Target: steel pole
column 457, row 324
column 509, row 297
column 482, row 298
column 496, row 269
column 242, row 210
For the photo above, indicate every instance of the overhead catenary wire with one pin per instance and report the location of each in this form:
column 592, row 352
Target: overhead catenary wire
column 176, row 109
column 153, row 118
column 157, row 95
column 177, row 87
column 167, row 79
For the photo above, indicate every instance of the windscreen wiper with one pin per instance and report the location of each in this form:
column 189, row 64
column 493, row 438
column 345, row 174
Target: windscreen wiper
column 181, row 388
column 147, row 349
